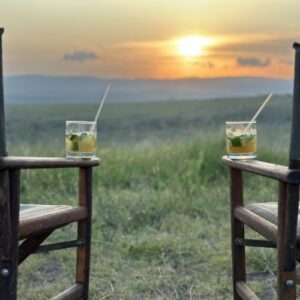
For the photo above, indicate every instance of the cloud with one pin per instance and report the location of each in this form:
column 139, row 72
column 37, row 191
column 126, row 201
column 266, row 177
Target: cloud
column 286, row 62
column 255, row 45
column 80, row 56
column 253, row 62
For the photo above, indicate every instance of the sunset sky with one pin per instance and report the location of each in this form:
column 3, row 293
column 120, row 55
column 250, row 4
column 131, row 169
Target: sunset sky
column 150, row 38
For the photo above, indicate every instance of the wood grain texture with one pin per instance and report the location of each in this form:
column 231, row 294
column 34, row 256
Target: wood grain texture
column 12, row 162
column 9, row 217
column 6, row 282
column 14, row 188
column 5, row 223
column 30, row 245
column 282, row 274
column 84, row 230
column 274, row 171
column 257, row 223
column 237, row 230
column 290, row 230
column 38, row 224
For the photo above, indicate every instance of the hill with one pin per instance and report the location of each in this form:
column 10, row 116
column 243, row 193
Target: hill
column 63, row 89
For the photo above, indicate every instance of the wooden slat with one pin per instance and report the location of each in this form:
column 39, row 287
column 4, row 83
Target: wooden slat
column 31, row 210
column 38, row 224
column 280, row 239
column 5, row 224
column 284, row 274
column 274, row 171
column 73, row 293
column 5, row 237
column 237, row 229
column 259, row 224
column 14, row 187
column 290, row 234
column 9, row 213
column 84, row 230
column 30, row 245
column 12, row 162
column 245, row 292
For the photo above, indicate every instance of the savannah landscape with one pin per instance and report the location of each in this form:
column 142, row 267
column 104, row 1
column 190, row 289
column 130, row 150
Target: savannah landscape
column 161, row 226
column 178, row 71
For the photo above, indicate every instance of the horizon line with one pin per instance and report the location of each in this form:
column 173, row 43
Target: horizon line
column 146, row 78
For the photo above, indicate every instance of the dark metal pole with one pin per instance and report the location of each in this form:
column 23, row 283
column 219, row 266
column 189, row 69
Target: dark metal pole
column 3, row 151
column 294, row 159
column 289, row 203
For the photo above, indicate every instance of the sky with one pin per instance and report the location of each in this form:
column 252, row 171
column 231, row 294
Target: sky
column 150, row 38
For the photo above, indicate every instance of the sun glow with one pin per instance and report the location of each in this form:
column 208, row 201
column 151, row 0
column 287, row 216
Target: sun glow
column 192, row 46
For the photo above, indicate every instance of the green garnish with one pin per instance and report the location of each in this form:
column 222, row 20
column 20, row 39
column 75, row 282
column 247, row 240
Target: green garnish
column 236, row 141
column 240, row 141
column 75, row 146
column 73, row 137
column 74, row 141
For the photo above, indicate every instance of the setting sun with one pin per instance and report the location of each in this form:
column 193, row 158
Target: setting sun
column 192, row 46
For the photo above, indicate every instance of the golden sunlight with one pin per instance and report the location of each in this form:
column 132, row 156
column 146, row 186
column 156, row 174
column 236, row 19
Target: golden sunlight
column 192, row 46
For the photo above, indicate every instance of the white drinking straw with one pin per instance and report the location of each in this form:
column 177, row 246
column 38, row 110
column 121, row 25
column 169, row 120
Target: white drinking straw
column 100, row 106
column 261, row 107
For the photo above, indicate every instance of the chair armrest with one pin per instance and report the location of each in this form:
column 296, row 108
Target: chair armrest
column 274, row 171
column 14, row 162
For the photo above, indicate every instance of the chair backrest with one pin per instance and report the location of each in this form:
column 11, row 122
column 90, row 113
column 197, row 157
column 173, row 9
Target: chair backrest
column 294, row 156
column 2, row 117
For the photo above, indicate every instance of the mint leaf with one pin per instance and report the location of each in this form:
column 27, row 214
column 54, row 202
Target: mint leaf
column 236, row 141
column 75, row 146
column 73, row 137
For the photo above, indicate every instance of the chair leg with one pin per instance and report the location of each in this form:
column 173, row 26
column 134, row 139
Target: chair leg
column 286, row 248
column 237, row 230
column 84, row 231
column 9, row 220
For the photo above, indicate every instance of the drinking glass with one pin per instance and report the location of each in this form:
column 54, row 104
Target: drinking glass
column 81, row 139
column 241, row 139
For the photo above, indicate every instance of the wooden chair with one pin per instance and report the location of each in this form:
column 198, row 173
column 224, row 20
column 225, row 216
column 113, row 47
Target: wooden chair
column 276, row 222
column 24, row 227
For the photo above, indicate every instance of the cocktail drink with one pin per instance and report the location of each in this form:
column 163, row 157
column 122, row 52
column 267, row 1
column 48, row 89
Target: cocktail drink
column 241, row 140
column 81, row 139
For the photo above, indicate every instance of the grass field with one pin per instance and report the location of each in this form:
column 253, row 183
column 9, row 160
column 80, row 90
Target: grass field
column 161, row 210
